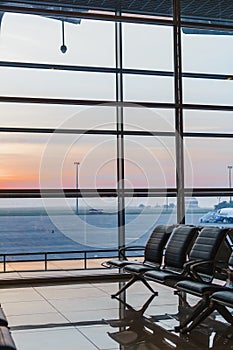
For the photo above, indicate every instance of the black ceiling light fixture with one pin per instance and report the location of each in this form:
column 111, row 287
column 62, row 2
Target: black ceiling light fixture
column 63, row 47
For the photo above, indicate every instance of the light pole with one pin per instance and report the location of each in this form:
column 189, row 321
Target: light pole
column 76, row 164
column 229, row 167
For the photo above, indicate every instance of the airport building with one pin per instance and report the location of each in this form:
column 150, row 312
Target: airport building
column 116, row 116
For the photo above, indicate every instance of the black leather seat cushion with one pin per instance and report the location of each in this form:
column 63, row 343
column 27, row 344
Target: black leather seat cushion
column 122, row 263
column 138, row 269
column 198, row 288
column 224, row 297
column 163, row 276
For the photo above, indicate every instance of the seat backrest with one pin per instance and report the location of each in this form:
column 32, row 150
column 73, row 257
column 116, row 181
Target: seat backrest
column 179, row 246
column 209, row 246
column 155, row 245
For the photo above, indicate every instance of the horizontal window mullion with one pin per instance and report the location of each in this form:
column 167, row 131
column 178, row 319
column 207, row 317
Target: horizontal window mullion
column 85, row 193
column 72, row 68
column 206, row 107
column 208, row 192
column 207, row 134
column 149, row 133
column 203, row 25
column 60, row 67
column 58, row 131
column 207, row 76
column 57, row 193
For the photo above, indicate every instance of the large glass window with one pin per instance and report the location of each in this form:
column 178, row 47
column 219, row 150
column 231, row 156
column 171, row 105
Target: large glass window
column 47, row 161
column 58, row 116
column 57, row 84
column 208, row 53
column 52, row 225
column 206, row 161
column 38, row 39
column 80, row 111
column 148, row 119
column 96, row 155
column 143, row 213
column 209, row 211
column 208, row 91
column 149, row 161
column 200, row 121
column 142, row 88
column 153, row 49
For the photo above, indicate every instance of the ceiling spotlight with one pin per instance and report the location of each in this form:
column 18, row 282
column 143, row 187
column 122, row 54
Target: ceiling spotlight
column 63, row 47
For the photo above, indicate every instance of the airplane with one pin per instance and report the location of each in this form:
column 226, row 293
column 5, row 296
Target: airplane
column 224, row 215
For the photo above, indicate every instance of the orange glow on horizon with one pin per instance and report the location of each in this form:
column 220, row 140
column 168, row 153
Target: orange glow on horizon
column 16, row 181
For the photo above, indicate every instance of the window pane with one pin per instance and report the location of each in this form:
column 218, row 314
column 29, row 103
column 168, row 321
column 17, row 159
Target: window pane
column 207, row 53
column 96, row 155
column 207, row 211
column 149, row 162
column 56, row 84
column 206, row 161
column 206, row 91
column 47, row 161
column 148, row 119
column 139, row 88
column 153, row 49
column 208, row 121
column 57, row 116
column 142, row 214
column 37, row 39
column 51, row 224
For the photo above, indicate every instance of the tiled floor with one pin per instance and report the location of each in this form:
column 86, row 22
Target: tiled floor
column 78, row 316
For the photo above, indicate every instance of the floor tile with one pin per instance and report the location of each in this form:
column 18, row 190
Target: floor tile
column 91, row 315
column 71, row 293
column 84, row 313
column 52, row 339
column 99, row 336
column 18, row 294
column 27, row 308
column 36, row 319
column 100, row 303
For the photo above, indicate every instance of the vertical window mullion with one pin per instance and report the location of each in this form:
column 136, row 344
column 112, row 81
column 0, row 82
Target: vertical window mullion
column 178, row 113
column 120, row 136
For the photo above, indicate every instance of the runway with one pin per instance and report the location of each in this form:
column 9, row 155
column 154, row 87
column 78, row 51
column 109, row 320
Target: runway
column 43, row 233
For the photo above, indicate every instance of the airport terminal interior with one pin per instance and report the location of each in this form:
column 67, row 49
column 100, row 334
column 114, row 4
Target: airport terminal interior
column 116, row 117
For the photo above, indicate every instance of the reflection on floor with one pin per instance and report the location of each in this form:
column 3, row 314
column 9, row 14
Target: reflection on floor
column 83, row 316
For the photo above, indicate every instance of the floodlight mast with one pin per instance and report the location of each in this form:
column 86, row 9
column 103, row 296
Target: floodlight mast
column 229, row 167
column 77, row 186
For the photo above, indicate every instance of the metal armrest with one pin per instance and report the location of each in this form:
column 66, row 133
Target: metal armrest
column 195, row 274
column 190, row 266
column 123, row 250
column 122, row 254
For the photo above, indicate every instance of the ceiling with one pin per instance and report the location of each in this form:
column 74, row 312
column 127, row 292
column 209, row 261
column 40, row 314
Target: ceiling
column 212, row 10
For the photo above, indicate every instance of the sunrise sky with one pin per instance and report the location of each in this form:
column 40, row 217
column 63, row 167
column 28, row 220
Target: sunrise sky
column 47, row 161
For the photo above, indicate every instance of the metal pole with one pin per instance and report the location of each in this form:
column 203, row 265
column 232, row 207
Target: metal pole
column 76, row 164
column 120, row 135
column 229, row 167
column 178, row 114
